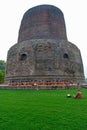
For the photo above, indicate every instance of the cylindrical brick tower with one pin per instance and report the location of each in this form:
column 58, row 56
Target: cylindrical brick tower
column 43, row 52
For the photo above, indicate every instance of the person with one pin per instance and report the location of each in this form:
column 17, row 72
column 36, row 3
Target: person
column 78, row 94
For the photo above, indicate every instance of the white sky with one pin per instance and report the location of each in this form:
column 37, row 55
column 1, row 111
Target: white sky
column 75, row 14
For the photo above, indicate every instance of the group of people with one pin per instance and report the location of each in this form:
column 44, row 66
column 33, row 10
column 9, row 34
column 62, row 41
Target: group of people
column 78, row 95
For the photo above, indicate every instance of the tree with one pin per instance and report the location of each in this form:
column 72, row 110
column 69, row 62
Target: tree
column 2, row 75
column 2, row 65
column 2, row 70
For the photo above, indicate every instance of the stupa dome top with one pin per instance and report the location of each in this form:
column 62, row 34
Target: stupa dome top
column 42, row 22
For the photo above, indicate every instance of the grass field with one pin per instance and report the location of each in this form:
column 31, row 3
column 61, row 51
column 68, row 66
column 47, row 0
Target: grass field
column 42, row 110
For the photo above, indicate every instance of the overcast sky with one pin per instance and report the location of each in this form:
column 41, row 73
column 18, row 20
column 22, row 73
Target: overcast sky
column 75, row 14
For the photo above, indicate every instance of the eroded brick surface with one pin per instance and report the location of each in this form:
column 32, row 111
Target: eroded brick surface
column 42, row 22
column 43, row 52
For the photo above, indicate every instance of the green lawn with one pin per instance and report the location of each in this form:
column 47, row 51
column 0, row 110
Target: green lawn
column 42, row 110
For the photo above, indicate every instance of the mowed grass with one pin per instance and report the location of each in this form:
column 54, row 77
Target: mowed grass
column 42, row 110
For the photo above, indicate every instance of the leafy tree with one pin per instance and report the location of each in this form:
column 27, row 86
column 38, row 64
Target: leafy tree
column 2, row 65
column 2, row 74
column 2, row 70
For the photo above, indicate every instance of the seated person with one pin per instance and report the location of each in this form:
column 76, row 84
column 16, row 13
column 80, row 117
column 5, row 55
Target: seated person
column 78, row 94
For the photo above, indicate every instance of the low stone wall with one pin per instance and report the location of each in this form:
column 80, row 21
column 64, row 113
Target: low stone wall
column 39, row 87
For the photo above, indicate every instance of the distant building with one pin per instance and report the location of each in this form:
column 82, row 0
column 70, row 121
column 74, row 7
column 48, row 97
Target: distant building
column 43, row 52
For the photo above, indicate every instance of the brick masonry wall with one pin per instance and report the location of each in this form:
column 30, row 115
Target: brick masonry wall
column 44, row 59
column 42, row 22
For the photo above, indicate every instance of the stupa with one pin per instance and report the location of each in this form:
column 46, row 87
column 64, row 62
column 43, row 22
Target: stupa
column 43, row 52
